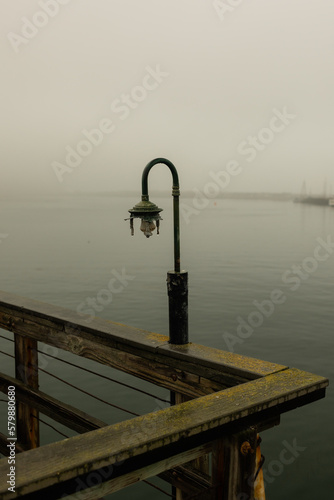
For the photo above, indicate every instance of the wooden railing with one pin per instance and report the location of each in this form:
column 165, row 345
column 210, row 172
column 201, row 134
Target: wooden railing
column 227, row 400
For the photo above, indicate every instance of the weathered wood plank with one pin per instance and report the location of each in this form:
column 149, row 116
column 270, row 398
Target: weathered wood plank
column 63, row 413
column 26, row 370
column 69, row 416
column 147, row 368
column 192, row 370
column 164, row 433
column 232, row 363
column 126, row 479
column 233, row 465
column 116, row 333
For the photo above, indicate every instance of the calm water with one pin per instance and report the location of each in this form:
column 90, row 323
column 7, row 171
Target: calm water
column 64, row 250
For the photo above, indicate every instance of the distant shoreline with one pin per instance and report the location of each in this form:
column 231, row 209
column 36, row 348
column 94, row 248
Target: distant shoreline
column 135, row 195
column 190, row 194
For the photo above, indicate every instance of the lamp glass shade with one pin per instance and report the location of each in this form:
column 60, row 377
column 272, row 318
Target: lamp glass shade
column 149, row 213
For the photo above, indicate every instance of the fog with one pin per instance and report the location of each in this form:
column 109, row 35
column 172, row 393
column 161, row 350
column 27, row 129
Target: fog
column 92, row 91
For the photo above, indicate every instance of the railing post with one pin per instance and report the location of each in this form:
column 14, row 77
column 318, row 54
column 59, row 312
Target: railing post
column 233, row 466
column 26, row 370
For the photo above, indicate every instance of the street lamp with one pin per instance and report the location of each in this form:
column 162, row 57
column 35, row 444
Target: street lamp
column 177, row 280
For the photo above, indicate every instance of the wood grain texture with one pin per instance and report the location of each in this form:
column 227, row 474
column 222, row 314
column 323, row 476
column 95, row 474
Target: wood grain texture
column 233, row 470
column 192, row 369
column 164, row 433
column 26, row 370
column 232, row 393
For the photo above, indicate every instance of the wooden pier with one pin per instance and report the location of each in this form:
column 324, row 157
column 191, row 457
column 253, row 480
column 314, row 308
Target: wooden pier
column 204, row 445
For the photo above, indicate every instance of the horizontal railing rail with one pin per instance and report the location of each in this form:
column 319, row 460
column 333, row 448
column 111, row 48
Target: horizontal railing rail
column 193, row 370
column 156, row 440
column 224, row 399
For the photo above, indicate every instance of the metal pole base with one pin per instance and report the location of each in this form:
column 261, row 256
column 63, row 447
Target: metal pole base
column 177, row 286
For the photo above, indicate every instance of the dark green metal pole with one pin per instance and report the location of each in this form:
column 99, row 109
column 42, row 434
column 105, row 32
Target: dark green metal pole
column 177, row 281
column 176, row 215
column 176, row 210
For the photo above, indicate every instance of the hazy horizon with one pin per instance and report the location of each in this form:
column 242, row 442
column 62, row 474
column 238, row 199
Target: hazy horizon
column 90, row 94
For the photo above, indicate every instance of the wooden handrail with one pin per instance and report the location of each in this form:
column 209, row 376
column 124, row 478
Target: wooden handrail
column 235, row 396
column 158, row 436
column 193, row 370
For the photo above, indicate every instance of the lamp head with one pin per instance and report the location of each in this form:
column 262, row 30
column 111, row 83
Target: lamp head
column 149, row 213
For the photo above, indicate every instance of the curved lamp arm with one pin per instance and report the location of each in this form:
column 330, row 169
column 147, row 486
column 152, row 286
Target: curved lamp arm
column 169, row 164
column 176, row 209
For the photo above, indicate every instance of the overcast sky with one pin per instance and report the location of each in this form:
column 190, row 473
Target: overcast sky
column 238, row 89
